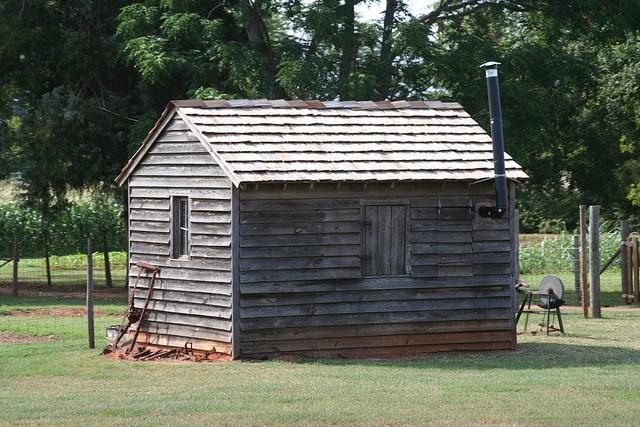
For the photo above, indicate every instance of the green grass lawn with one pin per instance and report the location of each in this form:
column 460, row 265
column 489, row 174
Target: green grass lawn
column 66, row 270
column 107, row 306
column 590, row 376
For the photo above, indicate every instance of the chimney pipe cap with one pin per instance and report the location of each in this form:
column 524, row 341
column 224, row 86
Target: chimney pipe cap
column 490, row 64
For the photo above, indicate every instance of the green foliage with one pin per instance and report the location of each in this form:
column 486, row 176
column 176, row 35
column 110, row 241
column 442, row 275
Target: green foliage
column 188, row 45
column 148, row 53
column 548, row 208
column 65, row 100
column 69, row 229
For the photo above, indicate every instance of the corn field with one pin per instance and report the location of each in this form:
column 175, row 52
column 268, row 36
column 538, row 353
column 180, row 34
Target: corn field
column 553, row 254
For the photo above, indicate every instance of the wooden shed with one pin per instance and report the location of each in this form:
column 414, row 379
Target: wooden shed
column 322, row 229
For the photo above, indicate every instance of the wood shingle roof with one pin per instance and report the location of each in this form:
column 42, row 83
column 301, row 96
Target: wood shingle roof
column 288, row 141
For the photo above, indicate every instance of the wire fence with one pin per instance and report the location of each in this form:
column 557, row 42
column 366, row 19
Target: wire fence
column 540, row 255
column 62, row 270
column 67, row 268
column 558, row 255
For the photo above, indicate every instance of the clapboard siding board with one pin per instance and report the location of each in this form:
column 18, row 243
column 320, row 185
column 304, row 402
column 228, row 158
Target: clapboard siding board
column 187, row 331
column 374, row 318
column 181, row 342
column 304, row 263
column 192, row 298
column 389, row 341
column 258, row 300
column 374, row 307
column 201, row 298
column 298, row 192
column 347, row 331
column 390, row 351
column 212, row 264
column 188, row 286
column 375, row 283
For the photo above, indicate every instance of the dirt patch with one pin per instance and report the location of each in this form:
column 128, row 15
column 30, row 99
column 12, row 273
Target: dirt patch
column 150, row 353
column 58, row 312
column 9, row 338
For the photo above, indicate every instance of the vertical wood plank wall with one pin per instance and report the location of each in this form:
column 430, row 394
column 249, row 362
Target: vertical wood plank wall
column 302, row 291
column 192, row 298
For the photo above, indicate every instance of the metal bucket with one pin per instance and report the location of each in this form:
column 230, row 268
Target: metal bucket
column 112, row 332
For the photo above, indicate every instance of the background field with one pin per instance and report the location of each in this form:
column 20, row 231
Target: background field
column 590, row 376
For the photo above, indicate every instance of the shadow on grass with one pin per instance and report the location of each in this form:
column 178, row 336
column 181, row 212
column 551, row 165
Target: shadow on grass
column 528, row 356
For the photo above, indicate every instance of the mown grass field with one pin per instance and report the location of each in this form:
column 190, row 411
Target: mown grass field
column 590, row 376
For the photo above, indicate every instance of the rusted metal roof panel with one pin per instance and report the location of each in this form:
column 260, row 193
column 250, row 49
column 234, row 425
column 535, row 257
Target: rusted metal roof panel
column 286, row 141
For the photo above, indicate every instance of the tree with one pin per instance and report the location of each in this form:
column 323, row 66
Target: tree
column 556, row 118
column 64, row 101
column 86, row 79
column 59, row 65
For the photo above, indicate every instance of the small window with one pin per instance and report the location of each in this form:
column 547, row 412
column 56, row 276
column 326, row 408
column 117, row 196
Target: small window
column 180, row 223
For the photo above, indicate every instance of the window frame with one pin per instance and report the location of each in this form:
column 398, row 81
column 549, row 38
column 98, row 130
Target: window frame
column 175, row 241
column 407, row 234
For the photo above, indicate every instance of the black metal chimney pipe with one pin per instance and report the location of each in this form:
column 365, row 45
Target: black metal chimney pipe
column 495, row 111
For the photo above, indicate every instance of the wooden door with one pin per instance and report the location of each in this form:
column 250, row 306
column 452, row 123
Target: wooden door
column 384, row 240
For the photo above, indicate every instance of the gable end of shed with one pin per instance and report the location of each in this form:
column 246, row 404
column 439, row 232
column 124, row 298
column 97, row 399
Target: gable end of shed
column 171, row 126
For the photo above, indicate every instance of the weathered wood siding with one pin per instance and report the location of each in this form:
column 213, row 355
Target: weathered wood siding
column 305, row 288
column 192, row 298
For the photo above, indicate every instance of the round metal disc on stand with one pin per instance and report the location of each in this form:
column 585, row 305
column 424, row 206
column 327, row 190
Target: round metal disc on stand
column 555, row 284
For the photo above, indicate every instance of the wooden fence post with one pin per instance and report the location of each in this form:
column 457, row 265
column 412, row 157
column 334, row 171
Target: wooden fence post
column 629, row 272
column 584, row 263
column 625, row 229
column 90, row 326
column 594, row 260
column 47, row 261
column 16, row 259
column 576, row 268
column 636, row 269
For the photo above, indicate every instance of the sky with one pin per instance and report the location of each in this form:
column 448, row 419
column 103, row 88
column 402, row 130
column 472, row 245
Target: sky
column 373, row 10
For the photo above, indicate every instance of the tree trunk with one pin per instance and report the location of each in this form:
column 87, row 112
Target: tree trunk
column 16, row 259
column 258, row 36
column 107, row 262
column 348, row 49
column 386, row 58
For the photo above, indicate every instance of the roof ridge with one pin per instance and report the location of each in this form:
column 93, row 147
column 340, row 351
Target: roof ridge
column 316, row 104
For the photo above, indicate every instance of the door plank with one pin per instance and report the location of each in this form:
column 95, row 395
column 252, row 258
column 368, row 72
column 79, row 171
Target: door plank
column 398, row 238
column 370, row 232
column 384, row 240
